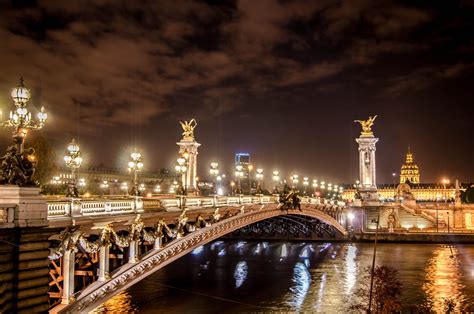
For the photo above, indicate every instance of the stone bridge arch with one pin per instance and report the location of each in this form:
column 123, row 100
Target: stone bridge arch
column 152, row 261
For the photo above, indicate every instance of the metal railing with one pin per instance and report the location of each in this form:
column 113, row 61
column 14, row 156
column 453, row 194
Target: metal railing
column 85, row 207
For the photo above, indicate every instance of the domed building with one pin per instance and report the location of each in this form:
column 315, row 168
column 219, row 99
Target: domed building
column 409, row 172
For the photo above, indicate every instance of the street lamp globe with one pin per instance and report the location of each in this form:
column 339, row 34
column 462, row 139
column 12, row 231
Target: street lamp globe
column 20, row 94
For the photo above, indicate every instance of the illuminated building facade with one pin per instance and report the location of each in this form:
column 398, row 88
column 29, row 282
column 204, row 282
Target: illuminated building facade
column 409, row 172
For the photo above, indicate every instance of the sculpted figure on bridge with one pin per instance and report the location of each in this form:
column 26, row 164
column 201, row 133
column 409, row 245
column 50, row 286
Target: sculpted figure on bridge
column 18, row 168
column 367, row 126
column 188, row 129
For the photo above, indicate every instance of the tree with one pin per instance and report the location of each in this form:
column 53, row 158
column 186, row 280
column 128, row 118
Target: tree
column 45, row 157
column 386, row 290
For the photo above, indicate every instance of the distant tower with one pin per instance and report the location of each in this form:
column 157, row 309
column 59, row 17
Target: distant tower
column 409, row 172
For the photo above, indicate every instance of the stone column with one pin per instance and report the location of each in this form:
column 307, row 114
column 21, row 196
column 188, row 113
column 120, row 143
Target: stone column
column 68, row 262
column 190, row 146
column 367, row 167
column 158, row 243
column 104, row 262
column 133, row 252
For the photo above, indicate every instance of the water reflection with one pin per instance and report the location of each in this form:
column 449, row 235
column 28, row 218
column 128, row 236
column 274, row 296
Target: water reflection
column 301, row 283
column 443, row 278
column 240, row 273
column 273, row 276
column 121, row 303
column 351, row 268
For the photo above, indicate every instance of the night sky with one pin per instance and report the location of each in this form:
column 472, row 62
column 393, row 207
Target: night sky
column 282, row 80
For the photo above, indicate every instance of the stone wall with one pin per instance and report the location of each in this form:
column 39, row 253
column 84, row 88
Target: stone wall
column 24, row 270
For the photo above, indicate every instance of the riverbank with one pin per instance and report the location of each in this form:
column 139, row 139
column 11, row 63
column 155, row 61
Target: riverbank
column 447, row 238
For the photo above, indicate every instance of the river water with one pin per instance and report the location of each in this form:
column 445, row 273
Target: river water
column 238, row 276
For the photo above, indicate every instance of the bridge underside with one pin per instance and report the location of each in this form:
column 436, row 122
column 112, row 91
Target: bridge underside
column 288, row 227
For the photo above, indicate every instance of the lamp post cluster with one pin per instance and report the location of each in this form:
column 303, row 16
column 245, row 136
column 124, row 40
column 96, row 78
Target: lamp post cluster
column 259, row 177
column 135, row 165
column 214, row 171
column 239, row 174
column 182, row 168
column 73, row 161
column 21, row 119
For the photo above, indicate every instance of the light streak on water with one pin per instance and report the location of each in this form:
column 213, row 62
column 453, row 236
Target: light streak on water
column 351, row 268
column 198, row 250
column 257, row 249
column 240, row 273
column 321, row 292
column 216, row 245
column 301, row 283
column 325, row 247
column 284, row 251
column 221, row 252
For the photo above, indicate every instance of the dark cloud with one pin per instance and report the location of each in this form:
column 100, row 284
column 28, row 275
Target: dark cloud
column 114, row 65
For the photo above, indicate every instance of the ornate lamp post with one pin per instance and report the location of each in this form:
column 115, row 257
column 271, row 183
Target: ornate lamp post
column 249, row 168
column 73, row 161
column 181, row 168
column 294, row 180
column 104, row 186
column 315, row 186
column 239, row 174
column 259, row 177
column 124, row 187
column 20, row 119
column 135, row 165
column 214, row 171
column 276, row 180
column 305, row 184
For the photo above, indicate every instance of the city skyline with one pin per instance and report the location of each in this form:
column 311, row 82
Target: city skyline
column 285, row 89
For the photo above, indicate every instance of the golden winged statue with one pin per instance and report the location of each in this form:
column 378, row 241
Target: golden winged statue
column 367, row 126
column 188, row 129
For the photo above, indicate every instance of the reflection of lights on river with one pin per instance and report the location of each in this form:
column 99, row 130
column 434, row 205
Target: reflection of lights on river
column 301, row 282
column 257, row 249
column 120, row 303
column 265, row 245
column 351, row 268
column 304, row 252
column 216, row 244
column 221, row 252
column 321, row 292
column 284, row 251
column 325, row 246
column 443, row 279
column 240, row 273
column 240, row 244
column 198, row 250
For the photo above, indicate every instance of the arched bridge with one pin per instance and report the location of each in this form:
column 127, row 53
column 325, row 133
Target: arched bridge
column 154, row 240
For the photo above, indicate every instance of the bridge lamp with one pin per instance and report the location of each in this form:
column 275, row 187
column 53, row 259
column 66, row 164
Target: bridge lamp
column 294, row 180
column 141, row 187
column 157, row 189
column 21, row 119
column 239, row 174
column 351, row 217
column 276, row 180
column 82, row 182
column 182, row 168
column 104, row 186
column 135, row 165
column 124, row 187
column 445, row 182
column 259, row 177
column 73, row 161
column 214, row 171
